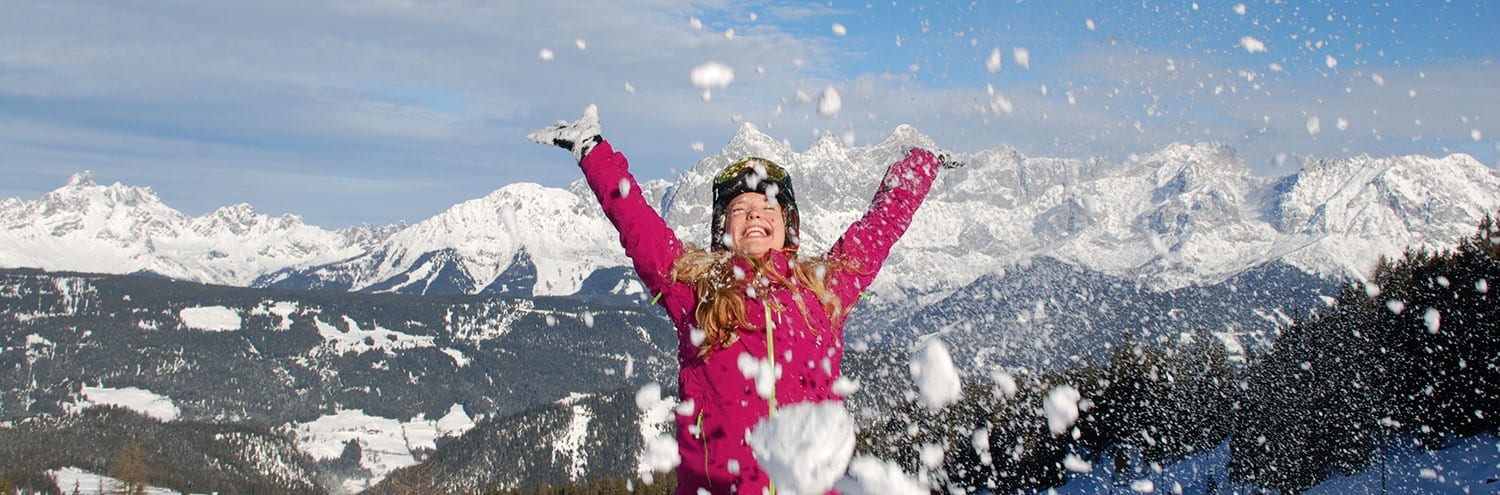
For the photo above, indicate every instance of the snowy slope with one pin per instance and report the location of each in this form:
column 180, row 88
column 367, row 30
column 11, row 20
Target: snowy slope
column 1466, row 466
column 1183, row 215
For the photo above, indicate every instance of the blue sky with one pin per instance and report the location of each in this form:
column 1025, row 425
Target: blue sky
column 347, row 112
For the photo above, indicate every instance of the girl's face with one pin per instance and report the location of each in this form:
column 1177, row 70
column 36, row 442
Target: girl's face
column 755, row 224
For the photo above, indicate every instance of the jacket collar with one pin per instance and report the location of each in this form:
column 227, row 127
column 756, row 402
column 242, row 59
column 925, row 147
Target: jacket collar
column 776, row 261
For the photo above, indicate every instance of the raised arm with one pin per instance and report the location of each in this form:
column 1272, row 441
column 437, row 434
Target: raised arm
column 867, row 243
column 650, row 244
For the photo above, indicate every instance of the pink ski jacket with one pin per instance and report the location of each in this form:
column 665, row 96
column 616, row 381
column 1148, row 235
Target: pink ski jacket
column 724, row 402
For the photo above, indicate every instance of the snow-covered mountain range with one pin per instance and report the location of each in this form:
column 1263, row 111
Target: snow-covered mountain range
column 1018, row 262
column 1183, row 215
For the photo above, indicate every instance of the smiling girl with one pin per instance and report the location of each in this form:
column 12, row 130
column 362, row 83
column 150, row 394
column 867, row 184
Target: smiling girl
column 758, row 324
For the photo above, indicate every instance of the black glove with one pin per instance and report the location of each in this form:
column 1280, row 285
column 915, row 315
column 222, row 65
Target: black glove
column 579, row 137
column 946, row 159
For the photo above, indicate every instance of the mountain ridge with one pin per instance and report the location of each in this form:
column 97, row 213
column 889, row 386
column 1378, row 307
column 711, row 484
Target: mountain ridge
column 1183, row 214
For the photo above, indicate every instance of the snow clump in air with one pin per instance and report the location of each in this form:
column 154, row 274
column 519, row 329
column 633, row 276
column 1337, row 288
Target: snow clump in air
column 710, row 76
column 935, row 376
column 1252, row 45
column 1076, row 464
column 1004, row 383
column 993, row 64
column 545, row 54
column 1433, row 319
column 844, row 386
column 839, row 29
column 763, row 371
column 829, row 104
column 981, row 443
column 1022, row 56
column 1061, row 408
column 805, row 448
column 661, row 454
column 872, row 476
column 647, row 397
column 1002, row 105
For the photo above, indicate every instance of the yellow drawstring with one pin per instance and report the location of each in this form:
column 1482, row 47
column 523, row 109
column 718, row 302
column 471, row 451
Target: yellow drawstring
column 771, row 357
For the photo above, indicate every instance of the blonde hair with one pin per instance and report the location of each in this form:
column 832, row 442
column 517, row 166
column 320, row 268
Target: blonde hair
column 721, row 305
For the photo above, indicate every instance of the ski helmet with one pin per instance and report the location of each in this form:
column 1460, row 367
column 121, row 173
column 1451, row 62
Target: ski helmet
column 753, row 174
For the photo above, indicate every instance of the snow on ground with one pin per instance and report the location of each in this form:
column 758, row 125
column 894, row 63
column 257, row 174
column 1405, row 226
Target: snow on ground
column 210, row 318
column 87, row 483
column 570, row 443
column 139, row 400
column 386, row 444
column 422, row 433
column 281, row 309
column 38, row 346
column 660, row 454
column 358, row 340
column 459, row 359
column 1470, row 465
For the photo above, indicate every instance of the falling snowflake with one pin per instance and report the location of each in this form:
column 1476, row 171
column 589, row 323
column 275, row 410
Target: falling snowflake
column 829, row 104
column 1252, row 45
column 1022, row 57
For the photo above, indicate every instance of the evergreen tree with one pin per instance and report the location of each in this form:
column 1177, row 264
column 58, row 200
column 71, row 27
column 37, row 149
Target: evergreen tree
column 1411, row 353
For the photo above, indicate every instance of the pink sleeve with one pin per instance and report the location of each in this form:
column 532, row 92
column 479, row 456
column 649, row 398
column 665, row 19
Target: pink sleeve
column 868, row 241
column 651, row 245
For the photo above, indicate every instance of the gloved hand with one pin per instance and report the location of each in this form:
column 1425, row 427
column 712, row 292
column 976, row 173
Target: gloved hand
column 579, row 137
column 946, row 159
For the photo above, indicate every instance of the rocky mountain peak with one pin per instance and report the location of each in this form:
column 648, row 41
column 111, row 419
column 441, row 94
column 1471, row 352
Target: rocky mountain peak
column 81, row 179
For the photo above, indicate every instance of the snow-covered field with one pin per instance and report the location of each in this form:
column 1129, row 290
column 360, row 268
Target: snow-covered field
column 386, row 444
column 136, row 399
column 210, row 318
column 358, row 340
column 74, row 480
